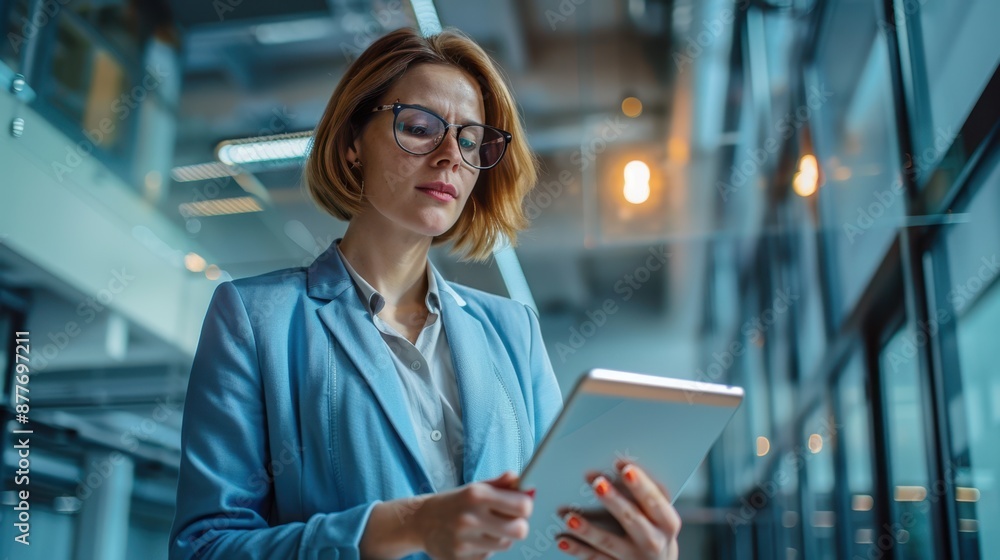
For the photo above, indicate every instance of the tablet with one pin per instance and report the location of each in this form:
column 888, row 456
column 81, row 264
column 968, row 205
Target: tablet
column 667, row 426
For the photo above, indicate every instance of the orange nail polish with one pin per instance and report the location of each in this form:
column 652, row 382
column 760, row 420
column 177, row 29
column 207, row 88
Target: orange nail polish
column 573, row 522
column 563, row 545
column 601, row 486
column 629, row 473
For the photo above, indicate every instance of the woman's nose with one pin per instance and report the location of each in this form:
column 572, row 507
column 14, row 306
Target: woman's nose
column 448, row 153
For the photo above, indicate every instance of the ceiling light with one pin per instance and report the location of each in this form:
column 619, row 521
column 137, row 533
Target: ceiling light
column 202, row 172
column 291, row 31
column 220, row 206
column 631, row 107
column 264, row 148
column 806, row 180
column 636, row 182
column 763, row 446
column 194, row 262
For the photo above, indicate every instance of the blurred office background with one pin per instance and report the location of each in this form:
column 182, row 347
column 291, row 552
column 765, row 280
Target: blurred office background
column 801, row 197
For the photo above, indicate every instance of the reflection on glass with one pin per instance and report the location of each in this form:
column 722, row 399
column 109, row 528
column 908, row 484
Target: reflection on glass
column 13, row 16
column 789, row 526
column 910, row 535
column 959, row 55
column 818, row 438
column 865, row 210
column 855, row 438
column 974, row 266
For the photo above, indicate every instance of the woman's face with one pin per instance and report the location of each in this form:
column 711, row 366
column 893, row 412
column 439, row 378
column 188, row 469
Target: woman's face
column 405, row 189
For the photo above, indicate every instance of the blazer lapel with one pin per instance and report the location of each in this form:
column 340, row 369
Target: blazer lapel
column 351, row 324
column 482, row 393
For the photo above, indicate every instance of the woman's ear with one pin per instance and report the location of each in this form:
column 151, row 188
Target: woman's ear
column 353, row 152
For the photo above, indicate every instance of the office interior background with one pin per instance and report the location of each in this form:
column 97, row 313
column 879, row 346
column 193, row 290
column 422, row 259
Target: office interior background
column 800, row 197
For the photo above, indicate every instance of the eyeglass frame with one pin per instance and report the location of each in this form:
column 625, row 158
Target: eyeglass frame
column 397, row 107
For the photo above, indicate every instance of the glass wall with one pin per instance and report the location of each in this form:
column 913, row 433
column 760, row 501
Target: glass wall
column 951, row 56
column 908, row 394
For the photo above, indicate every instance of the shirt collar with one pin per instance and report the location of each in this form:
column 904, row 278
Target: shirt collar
column 376, row 301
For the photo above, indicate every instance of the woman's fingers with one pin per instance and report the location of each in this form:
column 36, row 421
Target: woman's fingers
column 651, row 497
column 484, row 543
column 580, row 549
column 643, row 533
column 590, row 536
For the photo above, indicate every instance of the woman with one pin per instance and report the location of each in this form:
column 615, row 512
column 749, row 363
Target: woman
column 364, row 406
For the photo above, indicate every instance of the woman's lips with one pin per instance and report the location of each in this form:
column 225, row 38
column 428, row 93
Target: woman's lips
column 439, row 190
column 443, row 197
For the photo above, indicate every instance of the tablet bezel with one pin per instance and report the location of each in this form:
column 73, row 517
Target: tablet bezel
column 608, row 382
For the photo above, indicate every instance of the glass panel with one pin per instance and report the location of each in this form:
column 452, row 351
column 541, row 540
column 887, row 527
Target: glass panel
column 812, row 328
column 15, row 32
column 959, row 55
column 789, row 529
column 910, row 513
column 855, row 440
column 819, row 499
column 87, row 79
column 861, row 200
column 974, row 294
column 737, row 452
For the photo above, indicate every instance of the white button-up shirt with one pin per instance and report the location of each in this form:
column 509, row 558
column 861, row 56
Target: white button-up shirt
column 428, row 376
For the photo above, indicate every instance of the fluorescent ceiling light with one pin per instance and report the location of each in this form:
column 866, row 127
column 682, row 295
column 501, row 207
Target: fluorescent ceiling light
column 203, row 171
column 292, row 31
column 220, row 206
column 265, row 148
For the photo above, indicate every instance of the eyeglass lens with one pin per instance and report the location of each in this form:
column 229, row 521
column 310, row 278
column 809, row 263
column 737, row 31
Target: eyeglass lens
column 420, row 132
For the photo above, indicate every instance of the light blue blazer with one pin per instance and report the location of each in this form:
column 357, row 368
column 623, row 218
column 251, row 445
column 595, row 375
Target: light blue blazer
column 296, row 424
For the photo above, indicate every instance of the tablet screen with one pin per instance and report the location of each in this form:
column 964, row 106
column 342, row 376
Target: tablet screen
column 664, row 425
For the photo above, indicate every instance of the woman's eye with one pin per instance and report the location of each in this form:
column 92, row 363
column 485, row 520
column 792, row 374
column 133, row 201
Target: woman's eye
column 467, row 144
column 416, row 129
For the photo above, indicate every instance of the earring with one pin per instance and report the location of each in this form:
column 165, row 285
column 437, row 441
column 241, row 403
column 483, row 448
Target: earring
column 357, row 165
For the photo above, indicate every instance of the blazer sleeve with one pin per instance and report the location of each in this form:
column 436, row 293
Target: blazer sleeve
column 224, row 494
column 546, row 394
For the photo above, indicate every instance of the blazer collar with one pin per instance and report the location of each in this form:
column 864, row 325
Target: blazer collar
column 327, row 277
column 349, row 321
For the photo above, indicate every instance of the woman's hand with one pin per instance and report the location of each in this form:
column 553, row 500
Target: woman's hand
column 640, row 505
column 474, row 520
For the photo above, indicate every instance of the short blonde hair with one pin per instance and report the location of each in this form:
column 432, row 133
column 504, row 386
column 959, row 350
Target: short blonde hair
column 494, row 210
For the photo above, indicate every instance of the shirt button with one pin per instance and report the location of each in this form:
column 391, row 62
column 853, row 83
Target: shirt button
column 415, row 365
column 436, row 435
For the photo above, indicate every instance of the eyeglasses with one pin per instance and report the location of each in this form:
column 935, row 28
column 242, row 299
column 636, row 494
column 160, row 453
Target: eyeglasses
column 419, row 131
